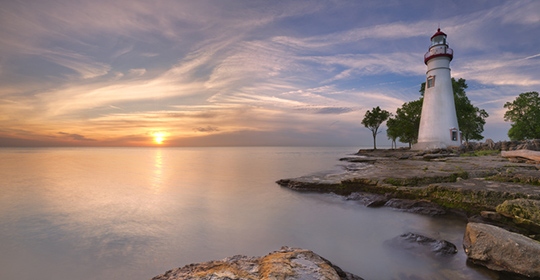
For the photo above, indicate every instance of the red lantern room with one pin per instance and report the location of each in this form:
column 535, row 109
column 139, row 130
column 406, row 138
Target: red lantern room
column 439, row 47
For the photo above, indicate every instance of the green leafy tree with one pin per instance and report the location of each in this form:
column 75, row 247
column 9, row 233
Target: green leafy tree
column 405, row 124
column 524, row 112
column 471, row 119
column 373, row 120
column 392, row 132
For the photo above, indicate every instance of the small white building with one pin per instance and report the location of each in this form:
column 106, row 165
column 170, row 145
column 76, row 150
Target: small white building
column 438, row 123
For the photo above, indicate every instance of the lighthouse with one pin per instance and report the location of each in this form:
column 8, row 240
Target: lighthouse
column 438, row 123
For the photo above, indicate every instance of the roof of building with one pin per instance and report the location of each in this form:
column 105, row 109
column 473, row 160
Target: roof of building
column 439, row 32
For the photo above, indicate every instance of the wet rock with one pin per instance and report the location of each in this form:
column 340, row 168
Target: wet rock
column 352, row 167
column 358, row 159
column 501, row 250
column 417, row 243
column 416, row 206
column 369, row 199
column 287, row 263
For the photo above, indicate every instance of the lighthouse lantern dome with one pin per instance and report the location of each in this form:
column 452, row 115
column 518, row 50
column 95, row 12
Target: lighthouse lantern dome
column 439, row 47
column 438, row 39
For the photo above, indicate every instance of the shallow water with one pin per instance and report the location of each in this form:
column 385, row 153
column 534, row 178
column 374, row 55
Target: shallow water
column 133, row 213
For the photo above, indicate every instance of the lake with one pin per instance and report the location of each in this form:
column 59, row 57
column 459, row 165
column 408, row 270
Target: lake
column 134, row 213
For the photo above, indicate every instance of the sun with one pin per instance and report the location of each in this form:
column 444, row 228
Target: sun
column 159, row 137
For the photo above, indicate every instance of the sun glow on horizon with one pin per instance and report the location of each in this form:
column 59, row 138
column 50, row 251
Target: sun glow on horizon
column 159, row 137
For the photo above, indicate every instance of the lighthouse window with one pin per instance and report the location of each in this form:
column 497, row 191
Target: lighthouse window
column 430, row 81
column 438, row 40
column 454, row 134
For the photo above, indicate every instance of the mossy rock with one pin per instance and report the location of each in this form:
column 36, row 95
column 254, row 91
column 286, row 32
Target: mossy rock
column 420, row 181
column 515, row 178
column 524, row 212
column 523, row 208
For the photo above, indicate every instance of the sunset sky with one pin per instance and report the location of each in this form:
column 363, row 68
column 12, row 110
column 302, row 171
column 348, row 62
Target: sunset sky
column 223, row 72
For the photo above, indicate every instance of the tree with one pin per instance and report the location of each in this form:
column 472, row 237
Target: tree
column 373, row 119
column 524, row 112
column 406, row 123
column 392, row 132
column 471, row 119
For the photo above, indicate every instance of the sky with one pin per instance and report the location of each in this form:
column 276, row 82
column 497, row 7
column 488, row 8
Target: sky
column 237, row 73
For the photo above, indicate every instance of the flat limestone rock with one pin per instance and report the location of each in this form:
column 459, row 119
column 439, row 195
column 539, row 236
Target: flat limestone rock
column 286, row 263
column 467, row 184
column 501, row 250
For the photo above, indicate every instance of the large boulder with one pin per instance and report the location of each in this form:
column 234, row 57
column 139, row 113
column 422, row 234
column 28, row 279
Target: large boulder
column 287, row 263
column 501, row 250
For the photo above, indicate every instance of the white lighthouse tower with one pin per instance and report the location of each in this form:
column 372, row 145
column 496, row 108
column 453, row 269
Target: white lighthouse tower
column 438, row 123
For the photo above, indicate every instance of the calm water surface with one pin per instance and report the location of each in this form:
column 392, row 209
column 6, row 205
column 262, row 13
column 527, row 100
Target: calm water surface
column 133, row 213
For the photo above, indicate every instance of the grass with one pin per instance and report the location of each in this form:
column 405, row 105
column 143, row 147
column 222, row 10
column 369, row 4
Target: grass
column 481, row 153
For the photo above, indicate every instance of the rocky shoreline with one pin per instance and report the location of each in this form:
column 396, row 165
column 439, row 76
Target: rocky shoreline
column 499, row 196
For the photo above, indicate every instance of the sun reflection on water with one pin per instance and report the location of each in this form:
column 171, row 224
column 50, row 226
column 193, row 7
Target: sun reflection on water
column 158, row 172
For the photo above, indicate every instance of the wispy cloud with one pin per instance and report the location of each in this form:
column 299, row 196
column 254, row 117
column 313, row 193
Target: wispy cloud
column 507, row 69
column 206, row 129
column 109, row 70
column 84, row 65
column 74, row 136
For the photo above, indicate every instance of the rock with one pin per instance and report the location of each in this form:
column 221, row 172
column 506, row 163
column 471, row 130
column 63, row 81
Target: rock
column 524, row 213
column 502, row 223
column 485, row 185
column 490, row 215
column 490, row 144
column 422, row 244
column 501, row 250
column 369, row 199
column 523, row 208
column 516, row 160
column 536, row 143
column 287, row 263
column 433, row 156
column 358, row 159
column 416, row 206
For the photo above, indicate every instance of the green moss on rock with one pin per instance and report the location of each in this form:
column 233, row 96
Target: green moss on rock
column 524, row 208
column 426, row 180
column 524, row 213
column 518, row 178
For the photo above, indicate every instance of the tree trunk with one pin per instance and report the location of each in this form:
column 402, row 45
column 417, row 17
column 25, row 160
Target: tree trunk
column 528, row 154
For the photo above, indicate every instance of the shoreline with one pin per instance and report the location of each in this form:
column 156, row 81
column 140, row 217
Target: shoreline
column 499, row 196
column 477, row 189
column 470, row 184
